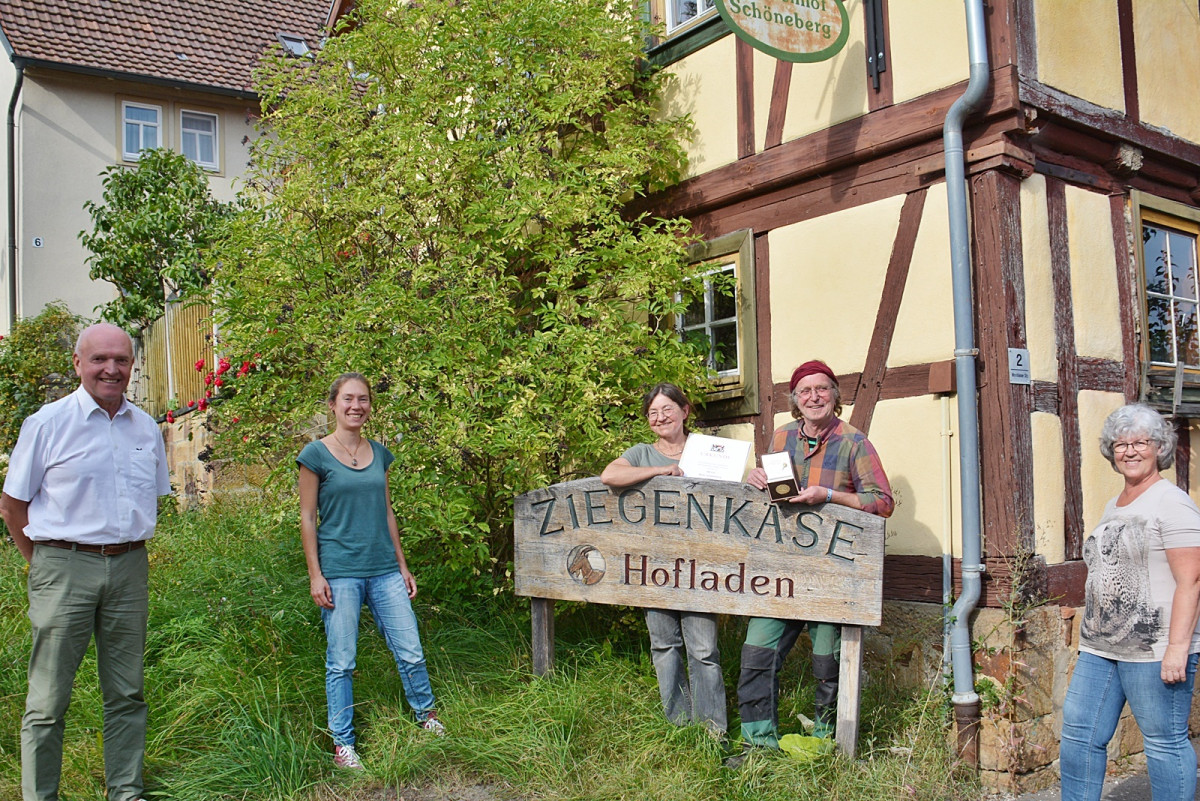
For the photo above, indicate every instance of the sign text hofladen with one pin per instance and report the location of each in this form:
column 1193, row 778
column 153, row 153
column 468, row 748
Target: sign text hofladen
column 705, row 546
column 791, row 30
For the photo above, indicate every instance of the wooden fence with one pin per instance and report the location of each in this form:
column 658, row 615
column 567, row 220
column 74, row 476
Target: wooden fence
column 170, row 348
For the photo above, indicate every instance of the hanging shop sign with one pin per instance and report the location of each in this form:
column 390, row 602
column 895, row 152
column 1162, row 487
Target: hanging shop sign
column 791, row 30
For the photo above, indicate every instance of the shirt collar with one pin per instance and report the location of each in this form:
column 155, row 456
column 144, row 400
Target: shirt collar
column 88, row 405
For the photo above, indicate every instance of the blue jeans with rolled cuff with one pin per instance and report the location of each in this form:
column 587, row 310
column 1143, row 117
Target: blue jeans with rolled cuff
column 387, row 598
column 1098, row 692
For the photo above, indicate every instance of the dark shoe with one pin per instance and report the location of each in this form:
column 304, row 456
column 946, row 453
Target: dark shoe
column 736, row 761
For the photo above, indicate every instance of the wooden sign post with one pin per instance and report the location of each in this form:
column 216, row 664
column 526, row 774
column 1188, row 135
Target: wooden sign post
column 702, row 546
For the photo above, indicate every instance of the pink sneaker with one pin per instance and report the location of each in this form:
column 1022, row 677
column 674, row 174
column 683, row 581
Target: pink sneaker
column 344, row 756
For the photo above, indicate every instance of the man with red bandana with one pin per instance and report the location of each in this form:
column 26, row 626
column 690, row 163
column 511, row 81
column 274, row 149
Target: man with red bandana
column 835, row 463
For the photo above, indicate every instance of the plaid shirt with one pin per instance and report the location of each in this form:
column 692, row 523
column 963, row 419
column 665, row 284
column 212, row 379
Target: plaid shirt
column 844, row 460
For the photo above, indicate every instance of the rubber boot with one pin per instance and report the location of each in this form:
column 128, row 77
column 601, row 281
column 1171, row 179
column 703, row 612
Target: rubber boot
column 825, row 670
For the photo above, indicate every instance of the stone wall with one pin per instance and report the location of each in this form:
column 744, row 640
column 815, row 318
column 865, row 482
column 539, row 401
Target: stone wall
column 1023, row 664
column 195, row 476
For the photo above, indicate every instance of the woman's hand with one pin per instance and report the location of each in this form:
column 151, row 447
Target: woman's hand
column 757, row 478
column 409, row 582
column 318, row 587
column 670, row 470
column 1174, row 663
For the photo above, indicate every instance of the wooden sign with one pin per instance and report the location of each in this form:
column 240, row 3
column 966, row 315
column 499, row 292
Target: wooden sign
column 704, row 546
column 790, row 30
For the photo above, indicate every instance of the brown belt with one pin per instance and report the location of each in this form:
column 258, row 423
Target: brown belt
column 103, row 550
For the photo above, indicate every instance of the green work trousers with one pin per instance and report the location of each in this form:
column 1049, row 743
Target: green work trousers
column 74, row 596
column 768, row 642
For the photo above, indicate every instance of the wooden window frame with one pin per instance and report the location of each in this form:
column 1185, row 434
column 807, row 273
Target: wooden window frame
column 1158, row 382
column 735, row 396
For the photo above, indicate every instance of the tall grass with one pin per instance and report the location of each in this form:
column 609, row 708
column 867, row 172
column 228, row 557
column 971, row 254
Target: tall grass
column 235, row 683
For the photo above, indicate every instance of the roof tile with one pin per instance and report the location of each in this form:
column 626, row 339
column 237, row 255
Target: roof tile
column 216, row 43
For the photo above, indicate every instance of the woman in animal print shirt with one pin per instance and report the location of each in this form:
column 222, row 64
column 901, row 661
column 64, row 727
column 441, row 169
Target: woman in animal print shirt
column 1139, row 640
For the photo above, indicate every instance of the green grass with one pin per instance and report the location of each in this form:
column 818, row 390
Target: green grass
column 235, row 682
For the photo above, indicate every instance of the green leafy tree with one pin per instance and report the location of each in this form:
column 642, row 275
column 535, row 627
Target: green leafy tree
column 150, row 234
column 35, row 366
column 441, row 206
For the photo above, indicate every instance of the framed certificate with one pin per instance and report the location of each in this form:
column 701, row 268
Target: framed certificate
column 717, row 458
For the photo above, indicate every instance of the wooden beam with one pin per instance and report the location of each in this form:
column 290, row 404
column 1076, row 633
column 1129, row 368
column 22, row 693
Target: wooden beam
column 849, row 690
column 1068, row 366
column 1112, row 124
column 765, row 424
column 907, row 381
column 884, row 97
column 891, row 130
column 780, row 90
column 870, row 383
column 542, row 617
column 744, row 64
column 1102, row 375
column 1126, row 294
column 1129, row 78
column 1006, row 438
column 1183, row 454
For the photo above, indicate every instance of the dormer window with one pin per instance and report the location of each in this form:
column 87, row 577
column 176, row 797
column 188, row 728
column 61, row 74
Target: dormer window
column 294, row 45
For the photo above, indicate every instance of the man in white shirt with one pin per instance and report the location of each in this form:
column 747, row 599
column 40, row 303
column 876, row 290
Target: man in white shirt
column 80, row 500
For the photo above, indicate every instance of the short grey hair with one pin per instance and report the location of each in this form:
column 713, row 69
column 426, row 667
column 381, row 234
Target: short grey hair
column 1139, row 420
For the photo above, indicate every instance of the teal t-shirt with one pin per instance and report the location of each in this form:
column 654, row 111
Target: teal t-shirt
column 646, row 455
column 352, row 532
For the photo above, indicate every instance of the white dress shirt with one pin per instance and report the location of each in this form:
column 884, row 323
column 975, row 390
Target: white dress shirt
column 88, row 478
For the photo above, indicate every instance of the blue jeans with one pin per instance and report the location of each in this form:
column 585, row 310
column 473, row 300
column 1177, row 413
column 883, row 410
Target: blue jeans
column 387, row 598
column 683, row 644
column 1098, row 692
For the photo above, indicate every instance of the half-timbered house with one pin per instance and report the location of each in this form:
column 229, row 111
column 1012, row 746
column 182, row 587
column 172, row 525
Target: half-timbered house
column 822, row 188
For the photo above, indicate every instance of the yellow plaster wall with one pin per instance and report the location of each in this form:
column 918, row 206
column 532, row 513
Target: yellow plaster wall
column 1194, row 461
column 68, row 133
column 1039, row 285
column 1095, row 304
column 925, row 323
column 826, row 92
column 1165, row 34
column 1100, row 482
column 826, row 280
column 910, row 435
column 704, row 86
column 1079, row 49
column 1049, row 487
column 920, row 66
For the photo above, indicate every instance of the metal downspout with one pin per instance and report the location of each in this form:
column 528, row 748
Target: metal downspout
column 12, row 195
column 966, row 701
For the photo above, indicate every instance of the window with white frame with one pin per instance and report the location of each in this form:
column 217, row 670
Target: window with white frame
column 198, row 137
column 711, row 319
column 720, row 321
column 141, row 129
column 680, row 14
column 1170, row 289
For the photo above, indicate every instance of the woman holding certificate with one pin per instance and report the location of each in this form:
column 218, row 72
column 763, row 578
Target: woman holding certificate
column 352, row 547
column 682, row 644
column 835, row 463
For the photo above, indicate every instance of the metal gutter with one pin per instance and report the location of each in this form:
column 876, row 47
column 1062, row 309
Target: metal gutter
column 133, row 77
column 965, row 699
column 12, row 191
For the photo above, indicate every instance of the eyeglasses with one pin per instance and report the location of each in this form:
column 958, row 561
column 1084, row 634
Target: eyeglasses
column 805, row 392
column 1138, row 446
